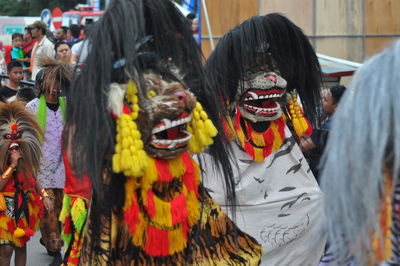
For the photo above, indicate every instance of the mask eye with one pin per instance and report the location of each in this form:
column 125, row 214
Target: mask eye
column 151, row 93
column 19, row 135
column 7, row 136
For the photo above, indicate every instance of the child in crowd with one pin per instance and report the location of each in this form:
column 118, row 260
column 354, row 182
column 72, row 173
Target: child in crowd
column 14, row 72
column 16, row 53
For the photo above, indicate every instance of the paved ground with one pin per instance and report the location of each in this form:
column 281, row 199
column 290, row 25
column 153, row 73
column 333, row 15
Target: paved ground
column 37, row 255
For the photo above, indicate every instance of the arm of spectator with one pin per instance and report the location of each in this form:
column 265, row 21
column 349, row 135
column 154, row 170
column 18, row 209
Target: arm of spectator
column 307, row 144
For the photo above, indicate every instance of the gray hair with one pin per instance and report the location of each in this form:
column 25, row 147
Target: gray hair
column 365, row 138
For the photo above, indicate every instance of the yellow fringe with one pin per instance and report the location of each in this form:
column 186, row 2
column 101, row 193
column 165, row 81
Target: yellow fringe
column 258, row 139
column 176, row 167
column 163, row 216
column 278, row 139
column 3, row 206
column 177, row 240
column 193, row 208
column 139, row 236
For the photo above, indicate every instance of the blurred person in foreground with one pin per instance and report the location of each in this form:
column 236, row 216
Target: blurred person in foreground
column 360, row 174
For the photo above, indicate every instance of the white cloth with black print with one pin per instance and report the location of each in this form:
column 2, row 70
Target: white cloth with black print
column 279, row 203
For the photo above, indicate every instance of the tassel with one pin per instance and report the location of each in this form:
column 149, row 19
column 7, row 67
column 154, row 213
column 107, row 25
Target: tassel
column 19, row 232
column 66, row 232
column 162, row 217
column 29, row 232
column 157, row 242
column 66, row 208
column 78, row 213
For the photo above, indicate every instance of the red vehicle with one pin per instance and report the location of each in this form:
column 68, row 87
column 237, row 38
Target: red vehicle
column 84, row 16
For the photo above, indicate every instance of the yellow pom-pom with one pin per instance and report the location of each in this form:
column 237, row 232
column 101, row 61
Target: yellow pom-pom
column 134, row 115
column 297, row 127
column 135, row 108
column 125, row 132
column 125, row 143
column 19, row 232
column 203, row 115
column 196, row 115
column 210, row 128
column 131, row 88
column 198, row 107
column 135, row 134
column 118, row 148
column 116, row 163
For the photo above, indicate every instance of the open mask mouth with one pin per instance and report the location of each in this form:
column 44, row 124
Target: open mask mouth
column 262, row 103
column 171, row 135
column 13, row 146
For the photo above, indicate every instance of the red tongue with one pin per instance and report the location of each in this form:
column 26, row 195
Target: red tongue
column 173, row 133
column 268, row 104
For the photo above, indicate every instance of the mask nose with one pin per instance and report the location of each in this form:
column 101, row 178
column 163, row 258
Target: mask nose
column 271, row 78
column 181, row 95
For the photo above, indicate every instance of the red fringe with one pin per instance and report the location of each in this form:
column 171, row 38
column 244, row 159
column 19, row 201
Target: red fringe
column 163, row 171
column 179, row 211
column 67, row 226
column 309, row 129
column 268, row 141
column 150, row 206
column 189, row 177
column 185, row 230
column 29, row 232
column 131, row 215
column 157, row 243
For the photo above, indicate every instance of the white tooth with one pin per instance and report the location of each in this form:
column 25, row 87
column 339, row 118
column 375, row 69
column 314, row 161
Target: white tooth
column 167, row 123
column 173, row 144
column 261, row 97
column 168, row 141
column 255, row 96
column 258, row 110
column 174, row 123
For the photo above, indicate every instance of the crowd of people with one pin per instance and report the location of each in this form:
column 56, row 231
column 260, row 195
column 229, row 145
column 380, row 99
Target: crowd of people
column 124, row 148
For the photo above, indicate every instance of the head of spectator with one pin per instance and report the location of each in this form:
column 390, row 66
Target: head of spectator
column 73, row 32
column 61, row 33
column 14, row 72
column 331, row 98
column 38, row 29
column 17, row 40
column 28, row 34
column 63, row 52
column 193, row 22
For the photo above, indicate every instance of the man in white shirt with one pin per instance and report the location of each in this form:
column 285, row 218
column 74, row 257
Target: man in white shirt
column 42, row 48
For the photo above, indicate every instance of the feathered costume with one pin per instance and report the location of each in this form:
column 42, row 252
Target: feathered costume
column 132, row 122
column 259, row 70
column 360, row 176
column 20, row 204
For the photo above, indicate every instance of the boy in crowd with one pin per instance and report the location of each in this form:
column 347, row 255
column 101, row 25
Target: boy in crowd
column 14, row 72
column 16, row 53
